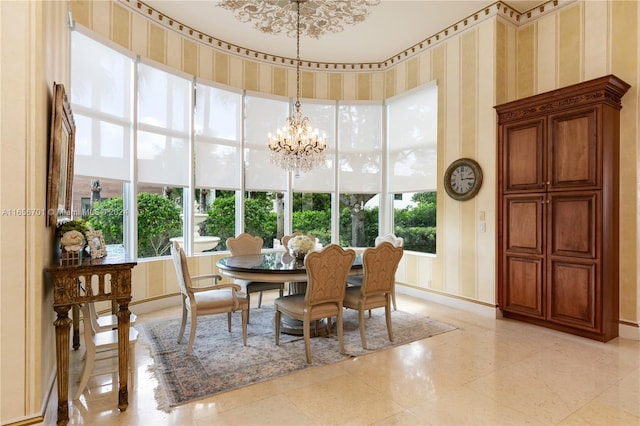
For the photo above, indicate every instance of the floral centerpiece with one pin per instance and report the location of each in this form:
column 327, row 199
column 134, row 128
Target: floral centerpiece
column 300, row 246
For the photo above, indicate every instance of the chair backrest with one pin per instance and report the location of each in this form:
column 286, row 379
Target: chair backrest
column 244, row 244
column 380, row 265
column 327, row 272
column 286, row 238
column 396, row 241
column 182, row 270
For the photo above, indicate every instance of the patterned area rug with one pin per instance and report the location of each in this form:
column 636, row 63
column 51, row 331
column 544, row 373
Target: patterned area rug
column 219, row 362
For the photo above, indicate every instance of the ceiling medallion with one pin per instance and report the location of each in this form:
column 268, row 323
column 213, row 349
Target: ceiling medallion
column 317, row 17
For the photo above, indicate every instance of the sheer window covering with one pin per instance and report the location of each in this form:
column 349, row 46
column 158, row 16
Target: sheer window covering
column 263, row 115
column 164, row 133
column 218, row 138
column 412, row 139
column 322, row 116
column 101, row 98
column 360, row 148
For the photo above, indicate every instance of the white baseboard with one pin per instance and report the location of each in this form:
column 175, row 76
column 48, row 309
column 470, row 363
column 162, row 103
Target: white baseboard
column 453, row 302
column 155, row 305
column 626, row 331
column 631, row 332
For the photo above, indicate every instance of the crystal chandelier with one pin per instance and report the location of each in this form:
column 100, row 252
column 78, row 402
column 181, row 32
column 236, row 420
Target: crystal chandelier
column 297, row 147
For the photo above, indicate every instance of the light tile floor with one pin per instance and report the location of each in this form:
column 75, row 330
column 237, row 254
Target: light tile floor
column 491, row 372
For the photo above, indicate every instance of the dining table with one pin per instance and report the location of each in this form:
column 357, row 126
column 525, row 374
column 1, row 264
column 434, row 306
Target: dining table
column 276, row 267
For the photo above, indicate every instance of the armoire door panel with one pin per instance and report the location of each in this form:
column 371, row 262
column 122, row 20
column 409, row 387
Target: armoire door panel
column 523, row 287
column 523, row 146
column 571, row 294
column 524, row 224
column 574, row 152
column 573, row 220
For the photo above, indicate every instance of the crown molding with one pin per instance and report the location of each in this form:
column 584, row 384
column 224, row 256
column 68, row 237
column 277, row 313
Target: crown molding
column 497, row 9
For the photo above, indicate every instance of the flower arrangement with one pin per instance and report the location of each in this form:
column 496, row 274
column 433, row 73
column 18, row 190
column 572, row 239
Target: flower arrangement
column 72, row 241
column 300, row 245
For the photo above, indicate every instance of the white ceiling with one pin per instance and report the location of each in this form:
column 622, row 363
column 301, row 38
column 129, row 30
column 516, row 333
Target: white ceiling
column 391, row 27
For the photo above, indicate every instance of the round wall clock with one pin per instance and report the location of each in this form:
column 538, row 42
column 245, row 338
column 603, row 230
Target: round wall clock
column 463, row 179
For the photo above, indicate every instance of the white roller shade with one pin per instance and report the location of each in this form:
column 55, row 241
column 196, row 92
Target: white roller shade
column 218, row 128
column 263, row 115
column 164, row 108
column 412, row 134
column 101, row 93
column 322, row 116
column 360, row 148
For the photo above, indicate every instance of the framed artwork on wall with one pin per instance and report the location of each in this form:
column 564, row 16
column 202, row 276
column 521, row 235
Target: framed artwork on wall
column 61, row 154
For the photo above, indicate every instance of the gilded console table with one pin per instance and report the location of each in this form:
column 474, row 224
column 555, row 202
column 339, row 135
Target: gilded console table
column 94, row 280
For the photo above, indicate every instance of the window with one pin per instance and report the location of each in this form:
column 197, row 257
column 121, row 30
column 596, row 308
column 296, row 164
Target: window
column 101, row 98
column 414, row 217
column 261, row 215
column 198, row 150
column 360, row 176
column 312, row 215
column 412, row 139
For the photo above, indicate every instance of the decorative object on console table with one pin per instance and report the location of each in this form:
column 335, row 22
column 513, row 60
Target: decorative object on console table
column 61, row 154
column 72, row 245
column 63, row 227
column 558, row 198
column 96, row 244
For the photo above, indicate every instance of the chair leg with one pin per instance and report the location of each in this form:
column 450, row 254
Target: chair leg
column 277, row 321
column 393, row 298
column 248, row 305
column 89, row 357
column 307, row 338
column 259, row 299
column 245, row 315
column 184, row 320
column 363, row 333
column 340, row 330
column 387, row 314
column 192, row 332
column 229, row 321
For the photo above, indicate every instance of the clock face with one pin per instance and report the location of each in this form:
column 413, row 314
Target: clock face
column 463, row 179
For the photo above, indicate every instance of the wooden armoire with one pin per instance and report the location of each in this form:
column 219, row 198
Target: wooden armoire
column 558, row 203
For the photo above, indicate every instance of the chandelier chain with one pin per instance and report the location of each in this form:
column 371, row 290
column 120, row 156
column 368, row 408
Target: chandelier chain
column 297, row 147
column 298, row 56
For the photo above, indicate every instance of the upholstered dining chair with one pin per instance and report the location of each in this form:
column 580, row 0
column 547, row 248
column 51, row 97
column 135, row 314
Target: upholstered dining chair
column 326, row 282
column 247, row 244
column 209, row 300
column 102, row 345
column 397, row 242
column 380, row 264
column 105, row 322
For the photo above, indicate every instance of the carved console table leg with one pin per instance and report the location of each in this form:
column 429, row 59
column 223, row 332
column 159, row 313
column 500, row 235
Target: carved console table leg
column 123, row 353
column 63, row 326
